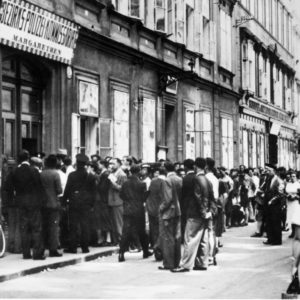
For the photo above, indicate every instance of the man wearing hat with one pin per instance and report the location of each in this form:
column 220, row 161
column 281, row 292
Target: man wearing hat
column 273, row 193
column 80, row 194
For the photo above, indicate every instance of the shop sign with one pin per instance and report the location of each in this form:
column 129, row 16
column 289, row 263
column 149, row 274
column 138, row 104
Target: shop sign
column 88, row 98
column 258, row 107
column 29, row 28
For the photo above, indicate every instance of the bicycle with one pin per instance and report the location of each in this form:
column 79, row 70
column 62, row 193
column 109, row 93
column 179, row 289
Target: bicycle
column 2, row 241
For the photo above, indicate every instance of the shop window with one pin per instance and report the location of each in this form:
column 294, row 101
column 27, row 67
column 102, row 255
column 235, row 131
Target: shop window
column 149, row 143
column 203, row 130
column 7, row 99
column 254, row 150
column 227, row 142
column 262, row 150
column 245, row 148
column 190, row 134
column 121, row 123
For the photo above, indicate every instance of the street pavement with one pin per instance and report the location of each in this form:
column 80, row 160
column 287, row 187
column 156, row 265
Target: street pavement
column 246, row 269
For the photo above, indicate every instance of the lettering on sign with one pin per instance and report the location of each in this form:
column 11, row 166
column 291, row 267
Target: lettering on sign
column 268, row 111
column 30, row 28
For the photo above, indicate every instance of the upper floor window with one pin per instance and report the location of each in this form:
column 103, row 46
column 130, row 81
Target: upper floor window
column 133, row 8
column 225, row 27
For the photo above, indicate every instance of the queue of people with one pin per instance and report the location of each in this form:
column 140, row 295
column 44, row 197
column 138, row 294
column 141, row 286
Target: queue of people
column 154, row 208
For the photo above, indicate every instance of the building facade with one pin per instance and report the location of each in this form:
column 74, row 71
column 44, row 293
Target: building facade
column 154, row 79
column 268, row 107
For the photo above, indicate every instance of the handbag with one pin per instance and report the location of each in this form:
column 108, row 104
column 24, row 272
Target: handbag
column 294, row 287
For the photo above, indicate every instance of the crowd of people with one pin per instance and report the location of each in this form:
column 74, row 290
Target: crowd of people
column 154, row 208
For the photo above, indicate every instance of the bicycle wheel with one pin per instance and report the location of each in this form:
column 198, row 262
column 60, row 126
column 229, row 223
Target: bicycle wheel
column 2, row 242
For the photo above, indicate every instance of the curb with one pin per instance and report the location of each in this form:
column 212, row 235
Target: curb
column 56, row 265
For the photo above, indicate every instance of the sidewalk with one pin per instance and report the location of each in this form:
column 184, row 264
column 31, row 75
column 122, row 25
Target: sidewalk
column 14, row 266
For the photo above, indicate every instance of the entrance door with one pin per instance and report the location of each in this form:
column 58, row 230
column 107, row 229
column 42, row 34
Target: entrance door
column 22, row 109
column 170, row 132
column 273, row 149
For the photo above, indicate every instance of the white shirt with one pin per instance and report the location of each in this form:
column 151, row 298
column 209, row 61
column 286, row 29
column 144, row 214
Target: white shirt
column 215, row 183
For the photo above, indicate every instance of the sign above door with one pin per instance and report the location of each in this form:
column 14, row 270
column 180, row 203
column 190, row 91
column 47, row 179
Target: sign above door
column 29, row 28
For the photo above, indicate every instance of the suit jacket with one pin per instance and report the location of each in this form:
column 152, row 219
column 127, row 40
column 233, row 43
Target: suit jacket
column 103, row 187
column 114, row 198
column 188, row 186
column 170, row 207
column 26, row 183
column 204, row 200
column 80, row 180
column 155, row 196
column 133, row 194
column 52, row 185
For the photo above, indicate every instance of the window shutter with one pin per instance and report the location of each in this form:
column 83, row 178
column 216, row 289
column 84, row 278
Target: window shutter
column 228, row 31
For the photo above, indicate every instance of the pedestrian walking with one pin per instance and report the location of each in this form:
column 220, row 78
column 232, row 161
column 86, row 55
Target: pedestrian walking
column 170, row 214
column 133, row 194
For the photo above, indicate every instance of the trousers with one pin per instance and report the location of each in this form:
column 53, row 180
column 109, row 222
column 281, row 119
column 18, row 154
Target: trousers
column 273, row 219
column 79, row 219
column 171, row 242
column 117, row 217
column 51, row 228
column 195, row 244
column 134, row 227
column 14, row 233
column 31, row 231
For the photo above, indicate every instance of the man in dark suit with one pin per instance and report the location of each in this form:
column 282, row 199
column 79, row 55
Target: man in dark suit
column 170, row 214
column 273, row 196
column 80, row 194
column 187, row 191
column 26, row 184
column 154, row 200
column 198, row 209
column 133, row 194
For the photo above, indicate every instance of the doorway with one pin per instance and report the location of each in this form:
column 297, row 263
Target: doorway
column 21, row 108
column 170, row 131
column 273, row 149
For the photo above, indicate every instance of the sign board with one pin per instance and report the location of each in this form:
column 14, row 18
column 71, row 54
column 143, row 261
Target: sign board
column 275, row 128
column 29, row 28
column 88, row 98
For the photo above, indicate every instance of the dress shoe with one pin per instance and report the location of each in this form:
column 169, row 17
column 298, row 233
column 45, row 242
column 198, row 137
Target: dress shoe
column 162, row 268
column 276, row 244
column 267, row 243
column 212, row 261
column 291, row 236
column 256, row 235
column 200, row 269
column 27, row 256
column 40, row 257
column 54, row 254
column 121, row 257
column 68, row 250
column 147, row 254
column 179, row 270
column 220, row 245
column 85, row 250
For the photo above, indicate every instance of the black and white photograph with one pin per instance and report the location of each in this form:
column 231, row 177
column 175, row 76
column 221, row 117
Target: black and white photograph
column 150, row 149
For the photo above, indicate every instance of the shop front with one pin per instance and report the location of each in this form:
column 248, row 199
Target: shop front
column 267, row 135
column 35, row 46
